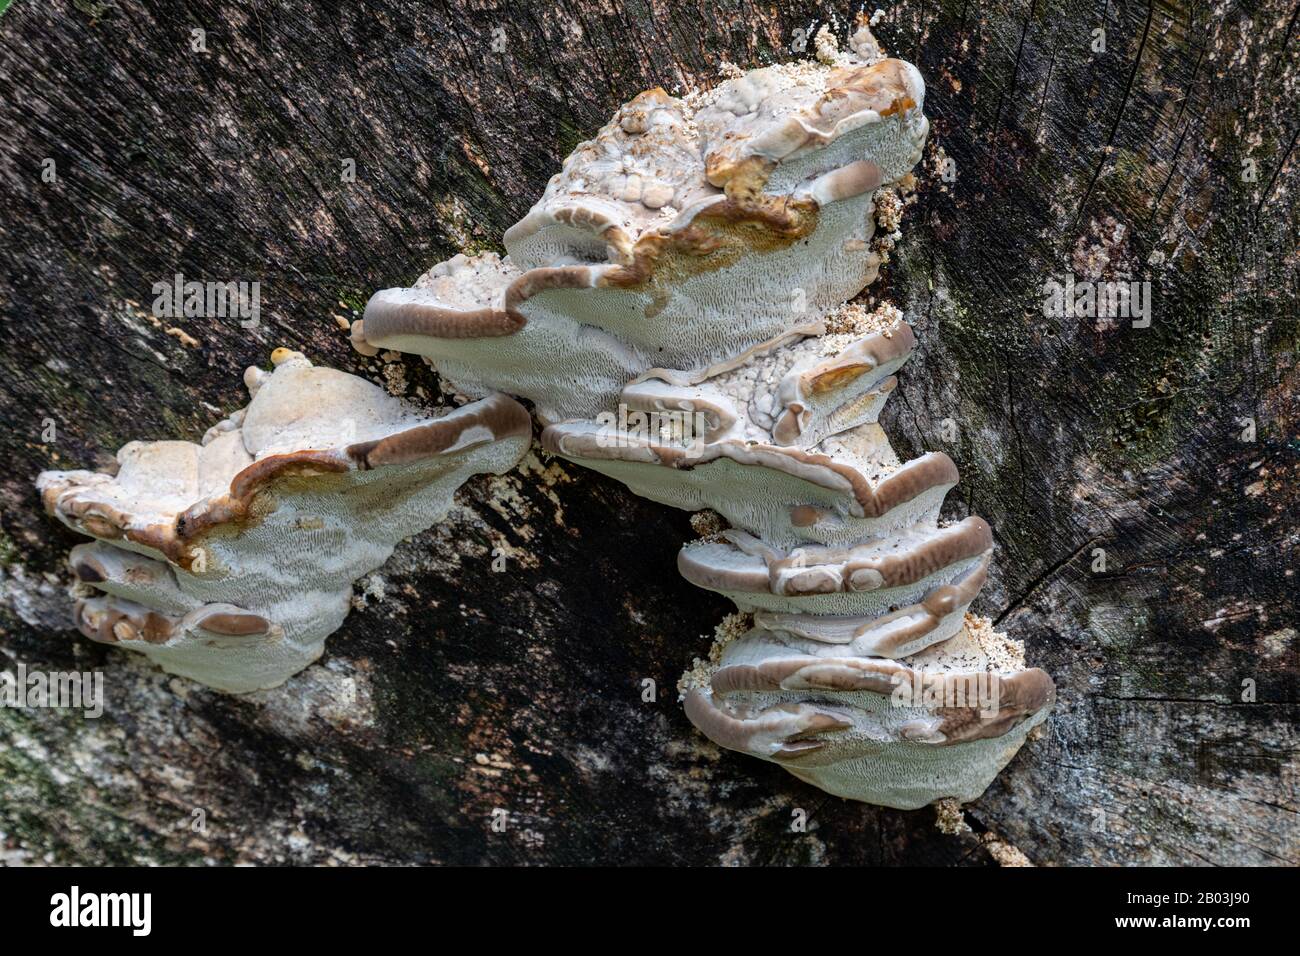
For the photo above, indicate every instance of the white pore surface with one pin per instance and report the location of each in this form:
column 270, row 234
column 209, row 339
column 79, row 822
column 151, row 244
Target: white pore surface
column 581, row 346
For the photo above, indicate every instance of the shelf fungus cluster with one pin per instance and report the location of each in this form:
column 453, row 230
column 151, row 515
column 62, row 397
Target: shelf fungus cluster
column 230, row 561
column 675, row 308
column 678, row 308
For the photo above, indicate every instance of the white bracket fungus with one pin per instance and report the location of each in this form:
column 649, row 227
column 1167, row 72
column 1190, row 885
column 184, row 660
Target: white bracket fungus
column 687, row 233
column 231, row 561
column 674, row 305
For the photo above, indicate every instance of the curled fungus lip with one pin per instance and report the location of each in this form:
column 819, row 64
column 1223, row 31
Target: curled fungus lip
column 231, row 560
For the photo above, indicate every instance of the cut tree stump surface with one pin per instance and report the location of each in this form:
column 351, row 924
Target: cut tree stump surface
column 1141, row 482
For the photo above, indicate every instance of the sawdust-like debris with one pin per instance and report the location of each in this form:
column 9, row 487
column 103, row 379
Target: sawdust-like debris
column 729, row 629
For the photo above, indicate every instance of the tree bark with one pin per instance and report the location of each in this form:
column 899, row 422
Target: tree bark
column 1141, row 482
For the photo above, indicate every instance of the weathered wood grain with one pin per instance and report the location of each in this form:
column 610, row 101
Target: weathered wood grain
column 460, row 691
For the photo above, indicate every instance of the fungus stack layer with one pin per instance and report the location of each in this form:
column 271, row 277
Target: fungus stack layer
column 686, row 233
column 674, row 306
column 230, row 561
column 858, row 668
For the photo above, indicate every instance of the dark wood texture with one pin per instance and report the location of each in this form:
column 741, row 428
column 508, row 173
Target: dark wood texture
column 522, row 691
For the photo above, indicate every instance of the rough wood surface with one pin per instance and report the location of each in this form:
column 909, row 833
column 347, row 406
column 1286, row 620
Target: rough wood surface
column 454, row 690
